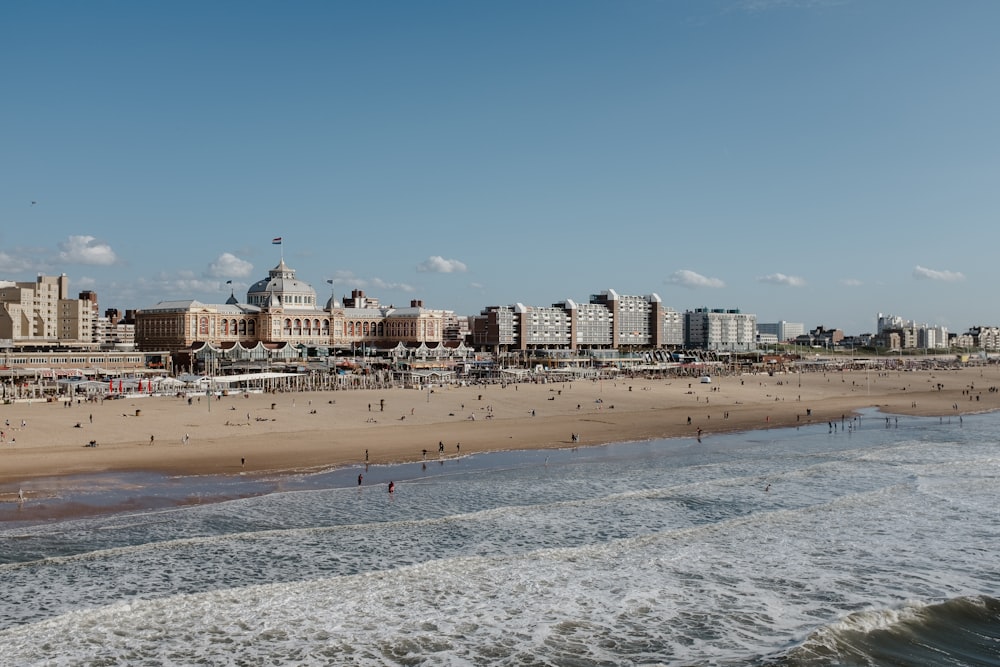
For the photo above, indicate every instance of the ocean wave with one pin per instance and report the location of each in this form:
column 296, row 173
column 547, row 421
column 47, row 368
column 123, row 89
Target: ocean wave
column 960, row 632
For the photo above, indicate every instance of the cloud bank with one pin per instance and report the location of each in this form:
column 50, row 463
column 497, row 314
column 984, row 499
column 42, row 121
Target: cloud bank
column 438, row 264
column 782, row 279
column 923, row 273
column 86, row 250
column 228, row 265
column 692, row 280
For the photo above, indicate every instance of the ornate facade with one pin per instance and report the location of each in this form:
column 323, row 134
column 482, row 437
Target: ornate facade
column 282, row 310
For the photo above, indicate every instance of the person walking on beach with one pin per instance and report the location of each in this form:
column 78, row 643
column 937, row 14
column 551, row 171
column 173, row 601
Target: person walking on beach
column 151, row 438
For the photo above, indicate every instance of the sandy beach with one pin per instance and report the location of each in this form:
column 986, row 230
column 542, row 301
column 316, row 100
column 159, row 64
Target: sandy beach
column 268, row 433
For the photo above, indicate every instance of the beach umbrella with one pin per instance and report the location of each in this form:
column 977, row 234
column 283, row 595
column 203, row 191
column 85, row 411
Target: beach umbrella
column 119, row 386
column 140, row 387
column 111, row 386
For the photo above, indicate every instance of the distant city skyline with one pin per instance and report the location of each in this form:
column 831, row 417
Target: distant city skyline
column 803, row 160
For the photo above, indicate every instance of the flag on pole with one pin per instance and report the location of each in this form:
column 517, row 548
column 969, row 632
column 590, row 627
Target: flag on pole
column 229, row 282
column 276, row 240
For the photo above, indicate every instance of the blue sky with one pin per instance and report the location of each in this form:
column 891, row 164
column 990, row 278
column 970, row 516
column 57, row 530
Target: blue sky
column 811, row 161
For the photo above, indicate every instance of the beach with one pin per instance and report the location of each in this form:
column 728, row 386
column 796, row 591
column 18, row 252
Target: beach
column 775, row 546
column 271, row 433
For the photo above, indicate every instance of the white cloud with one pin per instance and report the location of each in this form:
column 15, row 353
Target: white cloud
column 14, row 264
column 782, row 279
column 687, row 278
column 346, row 278
column 923, row 273
column 382, row 284
column 87, row 250
column 438, row 264
column 851, row 282
column 186, row 282
column 478, row 286
column 229, row 265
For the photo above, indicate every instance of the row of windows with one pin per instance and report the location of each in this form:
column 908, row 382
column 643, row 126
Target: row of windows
column 46, row 361
column 297, row 299
column 305, row 327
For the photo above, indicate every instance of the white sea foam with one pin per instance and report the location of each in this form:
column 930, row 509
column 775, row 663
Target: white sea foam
column 659, row 553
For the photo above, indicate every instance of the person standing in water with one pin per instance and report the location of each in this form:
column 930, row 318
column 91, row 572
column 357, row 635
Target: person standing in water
column 392, row 487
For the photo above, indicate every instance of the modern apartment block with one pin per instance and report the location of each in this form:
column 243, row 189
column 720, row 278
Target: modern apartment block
column 43, row 313
column 985, row 338
column 720, row 329
column 909, row 334
column 608, row 321
column 114, row 331
column 782, row 331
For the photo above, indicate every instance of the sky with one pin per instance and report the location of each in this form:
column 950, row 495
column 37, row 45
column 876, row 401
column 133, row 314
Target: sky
column 813, row 161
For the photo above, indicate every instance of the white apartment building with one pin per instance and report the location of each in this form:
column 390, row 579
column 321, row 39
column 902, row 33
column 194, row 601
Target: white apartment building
column 782, row 331
column 111, row 332
column 546, row 327
column 593, row 324
column 609, row 321
column 720, row 329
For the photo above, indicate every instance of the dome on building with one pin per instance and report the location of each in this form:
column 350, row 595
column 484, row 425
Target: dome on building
column 282, row 290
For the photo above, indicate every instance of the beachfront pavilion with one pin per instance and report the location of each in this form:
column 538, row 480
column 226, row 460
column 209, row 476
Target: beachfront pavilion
column 283, row 310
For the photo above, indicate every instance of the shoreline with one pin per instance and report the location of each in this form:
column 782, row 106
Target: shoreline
column 252, row 436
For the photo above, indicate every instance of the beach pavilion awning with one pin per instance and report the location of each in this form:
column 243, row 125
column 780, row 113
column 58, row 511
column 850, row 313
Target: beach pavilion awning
column 250, row 377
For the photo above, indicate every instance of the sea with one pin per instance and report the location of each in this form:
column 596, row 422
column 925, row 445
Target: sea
column 865, row 541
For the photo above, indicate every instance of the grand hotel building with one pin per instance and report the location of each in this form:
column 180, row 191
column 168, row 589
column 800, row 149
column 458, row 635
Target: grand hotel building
column 283, row 312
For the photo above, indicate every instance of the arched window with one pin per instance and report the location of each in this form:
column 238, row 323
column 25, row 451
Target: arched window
column 252, row 327
column 326, row 327
column 298, row 327
column 381, row 329
column 288, row 326
column 225, row 327
column 366, row 328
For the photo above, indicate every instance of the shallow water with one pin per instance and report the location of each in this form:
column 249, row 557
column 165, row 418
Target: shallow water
column 873, row 544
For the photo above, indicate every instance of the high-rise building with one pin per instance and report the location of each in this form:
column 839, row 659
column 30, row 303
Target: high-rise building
column 782, row 331
column 720, row 329
column 43, row 313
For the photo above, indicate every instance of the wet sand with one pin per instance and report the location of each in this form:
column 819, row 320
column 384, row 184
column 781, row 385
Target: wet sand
column 256, row 434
